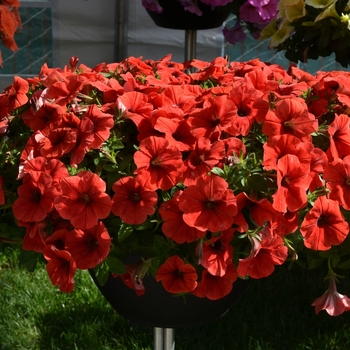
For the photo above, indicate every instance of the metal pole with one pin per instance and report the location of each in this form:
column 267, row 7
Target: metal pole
column 121, row 30
column 163, row 338
column 169, row 339
column 190, row 44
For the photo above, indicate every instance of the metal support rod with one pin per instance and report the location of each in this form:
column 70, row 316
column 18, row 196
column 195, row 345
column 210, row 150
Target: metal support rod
column 190, row 44
column 163, row 338
column 121, row 30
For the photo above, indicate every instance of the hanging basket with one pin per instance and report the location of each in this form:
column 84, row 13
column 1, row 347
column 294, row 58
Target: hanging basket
column 158, row 308
column 174, row 16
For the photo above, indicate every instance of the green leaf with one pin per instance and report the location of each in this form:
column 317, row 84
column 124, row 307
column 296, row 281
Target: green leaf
column 218, row 171
column 256, row 182
column 29, row 259
column 102, row 273
column 313, row 263
column 110, row 167
column 124, row 232
column 115, row 265
column 344, row 265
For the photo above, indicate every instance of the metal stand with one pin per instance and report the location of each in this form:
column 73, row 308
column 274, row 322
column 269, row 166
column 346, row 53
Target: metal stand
column 190, row 44
column 164, row 338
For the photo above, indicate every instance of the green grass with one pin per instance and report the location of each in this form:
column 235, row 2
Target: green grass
column 275, row 313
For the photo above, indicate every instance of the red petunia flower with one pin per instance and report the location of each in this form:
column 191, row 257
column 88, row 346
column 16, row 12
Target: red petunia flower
column 58, row 238
column 259, row 210
column 339, row 136
column 293, row 182
column 174, row 226
column 83, row 200
column 60, row 267
column 266, row 252
column 337, row 177
column 216, row 287
column 35, row 198
column 63, row 90
column 332, row 301
column 17, row 94
column 46, row 118
column 291, row 116
column 208, row 205
column 202, row 159
column 102, row 123
column 217, row 253
column 88, row 247
column 85, row 137
column 278, row 146
column 57, row 143
column 35, row 236
column 177, row 132
column 244, row 95
column 158, row 164
column 213, row 118
column 324, row 225
column 131, row 201
column 135, row 106
column 177, row 276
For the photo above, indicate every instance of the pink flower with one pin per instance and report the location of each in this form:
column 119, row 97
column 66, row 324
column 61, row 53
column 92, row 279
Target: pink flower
column 235, row 34
column 152, row 5
column 332, row 301
column 257, row 11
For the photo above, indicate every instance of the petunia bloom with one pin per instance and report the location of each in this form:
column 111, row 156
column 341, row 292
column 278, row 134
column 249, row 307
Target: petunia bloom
column 216, row 287
column 337, row 177
column 158, row 164
column 332, row 301
column 35, row 198
column 217, row 253
column 88, row 247
column 208, row 205
column 174, row 225
column 177, row 276
column 324, row 225
column 293, row 182
column 266, row 252
column 82, row 200
column 60, row 267
column 131, row 201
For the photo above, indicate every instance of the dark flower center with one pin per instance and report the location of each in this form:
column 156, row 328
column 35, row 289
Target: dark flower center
column 243, row 111
column 322, row 221
column 37, row 196
column 156, row 162
column 92, row 243
column 217, row 246
column 135, row 197
column 85, row 198
column 210, row 204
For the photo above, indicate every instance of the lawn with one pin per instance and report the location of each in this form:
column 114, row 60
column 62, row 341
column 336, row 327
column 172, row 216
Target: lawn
column 275, row 313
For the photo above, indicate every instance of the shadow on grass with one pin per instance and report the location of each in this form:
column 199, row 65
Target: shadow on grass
column 90, row 328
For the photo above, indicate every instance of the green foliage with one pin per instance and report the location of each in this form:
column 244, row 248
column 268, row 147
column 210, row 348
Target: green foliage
column 311, row 40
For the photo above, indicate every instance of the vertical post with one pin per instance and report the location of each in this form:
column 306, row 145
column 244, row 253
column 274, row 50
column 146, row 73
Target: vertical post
column 121, row 30
column 169, row 339
column 190, row 44
column 163, row 338
column 158, row 340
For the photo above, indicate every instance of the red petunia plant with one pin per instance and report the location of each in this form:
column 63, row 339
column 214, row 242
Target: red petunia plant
column 203, row 172
column 10, row 23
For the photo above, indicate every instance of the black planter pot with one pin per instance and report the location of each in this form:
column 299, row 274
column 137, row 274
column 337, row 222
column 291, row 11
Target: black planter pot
column 175, row 17
column 158, row 308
